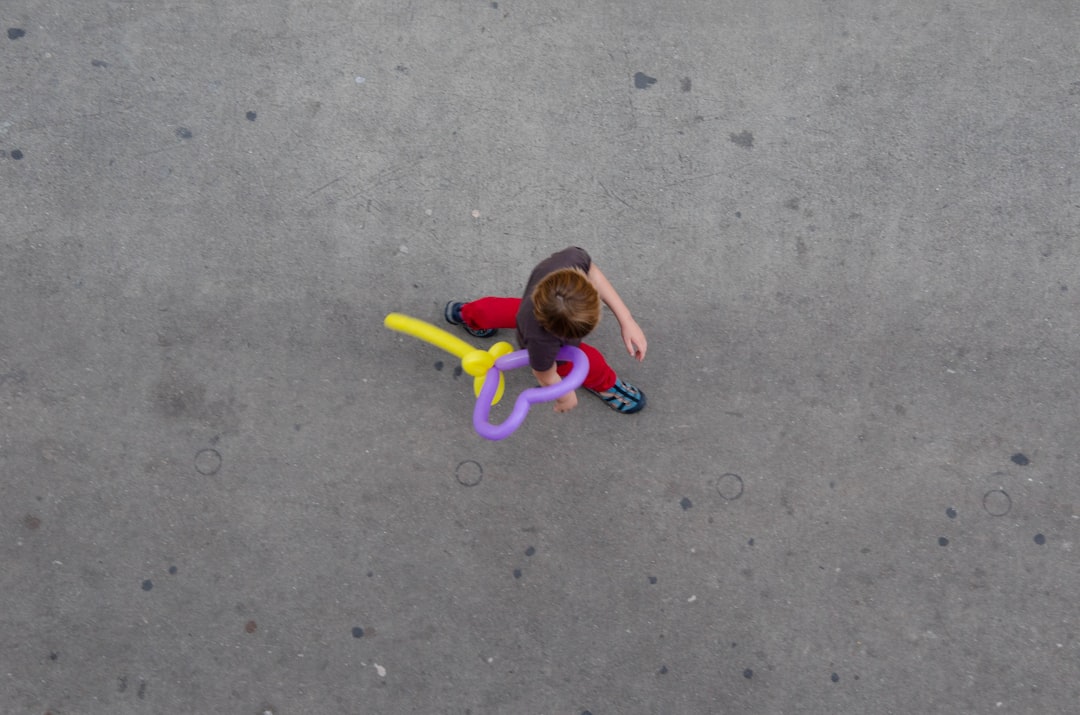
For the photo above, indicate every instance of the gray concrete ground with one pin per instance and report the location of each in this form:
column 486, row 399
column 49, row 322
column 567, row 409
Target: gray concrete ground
column 847, row 227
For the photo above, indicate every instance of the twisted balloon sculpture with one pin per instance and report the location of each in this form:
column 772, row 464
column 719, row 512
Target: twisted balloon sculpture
column 487, row 366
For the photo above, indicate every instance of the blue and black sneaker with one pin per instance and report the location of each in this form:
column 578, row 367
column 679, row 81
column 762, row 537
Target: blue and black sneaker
column 452, row 313
column 623, row 397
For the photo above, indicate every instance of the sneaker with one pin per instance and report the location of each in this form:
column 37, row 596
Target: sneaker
column 452, row 313
column 623, row 397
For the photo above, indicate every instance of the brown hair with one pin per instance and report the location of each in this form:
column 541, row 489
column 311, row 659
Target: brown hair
column 566, row 304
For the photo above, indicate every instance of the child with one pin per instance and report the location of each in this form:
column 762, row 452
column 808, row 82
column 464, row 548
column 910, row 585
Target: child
column 561, row 306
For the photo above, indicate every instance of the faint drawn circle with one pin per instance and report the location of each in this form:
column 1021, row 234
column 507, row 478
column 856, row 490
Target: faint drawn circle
column 468, row 473
column 729, row 486
column 207, row 462
column 997, row 502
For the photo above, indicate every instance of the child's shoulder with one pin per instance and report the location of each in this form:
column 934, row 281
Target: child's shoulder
column 569, row 257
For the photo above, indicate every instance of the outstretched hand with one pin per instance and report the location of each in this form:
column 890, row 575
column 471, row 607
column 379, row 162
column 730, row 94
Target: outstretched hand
column 632, row 334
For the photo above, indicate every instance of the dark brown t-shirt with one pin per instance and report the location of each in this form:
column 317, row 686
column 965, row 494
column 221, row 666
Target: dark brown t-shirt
column 542, row 345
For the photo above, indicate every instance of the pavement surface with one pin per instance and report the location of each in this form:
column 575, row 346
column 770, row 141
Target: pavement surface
column 847, row 227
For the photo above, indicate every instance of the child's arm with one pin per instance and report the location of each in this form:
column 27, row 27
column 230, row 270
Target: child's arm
column 551, row 377
column 632, row 334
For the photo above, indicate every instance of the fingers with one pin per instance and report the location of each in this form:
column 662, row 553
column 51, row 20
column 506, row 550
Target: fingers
column 634, row 339
column 566, row 402
column 637, row 347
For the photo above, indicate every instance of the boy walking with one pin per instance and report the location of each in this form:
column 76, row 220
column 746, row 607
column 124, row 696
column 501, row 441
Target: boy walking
column 561, row 306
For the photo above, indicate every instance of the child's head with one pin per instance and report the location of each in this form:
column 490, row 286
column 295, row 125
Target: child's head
column 566, row 304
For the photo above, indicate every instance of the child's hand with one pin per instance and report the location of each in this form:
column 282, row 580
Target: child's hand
column 550, row 377
column 634, row 339
column 567, row 402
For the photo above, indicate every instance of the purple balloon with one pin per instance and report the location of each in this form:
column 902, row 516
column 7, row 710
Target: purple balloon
column 526, row 399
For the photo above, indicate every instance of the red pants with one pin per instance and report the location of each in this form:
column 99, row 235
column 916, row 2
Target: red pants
column 490, row 312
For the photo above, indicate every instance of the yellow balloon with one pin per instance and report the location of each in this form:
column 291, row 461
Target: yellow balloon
column 429, row 333
column 474, row 361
